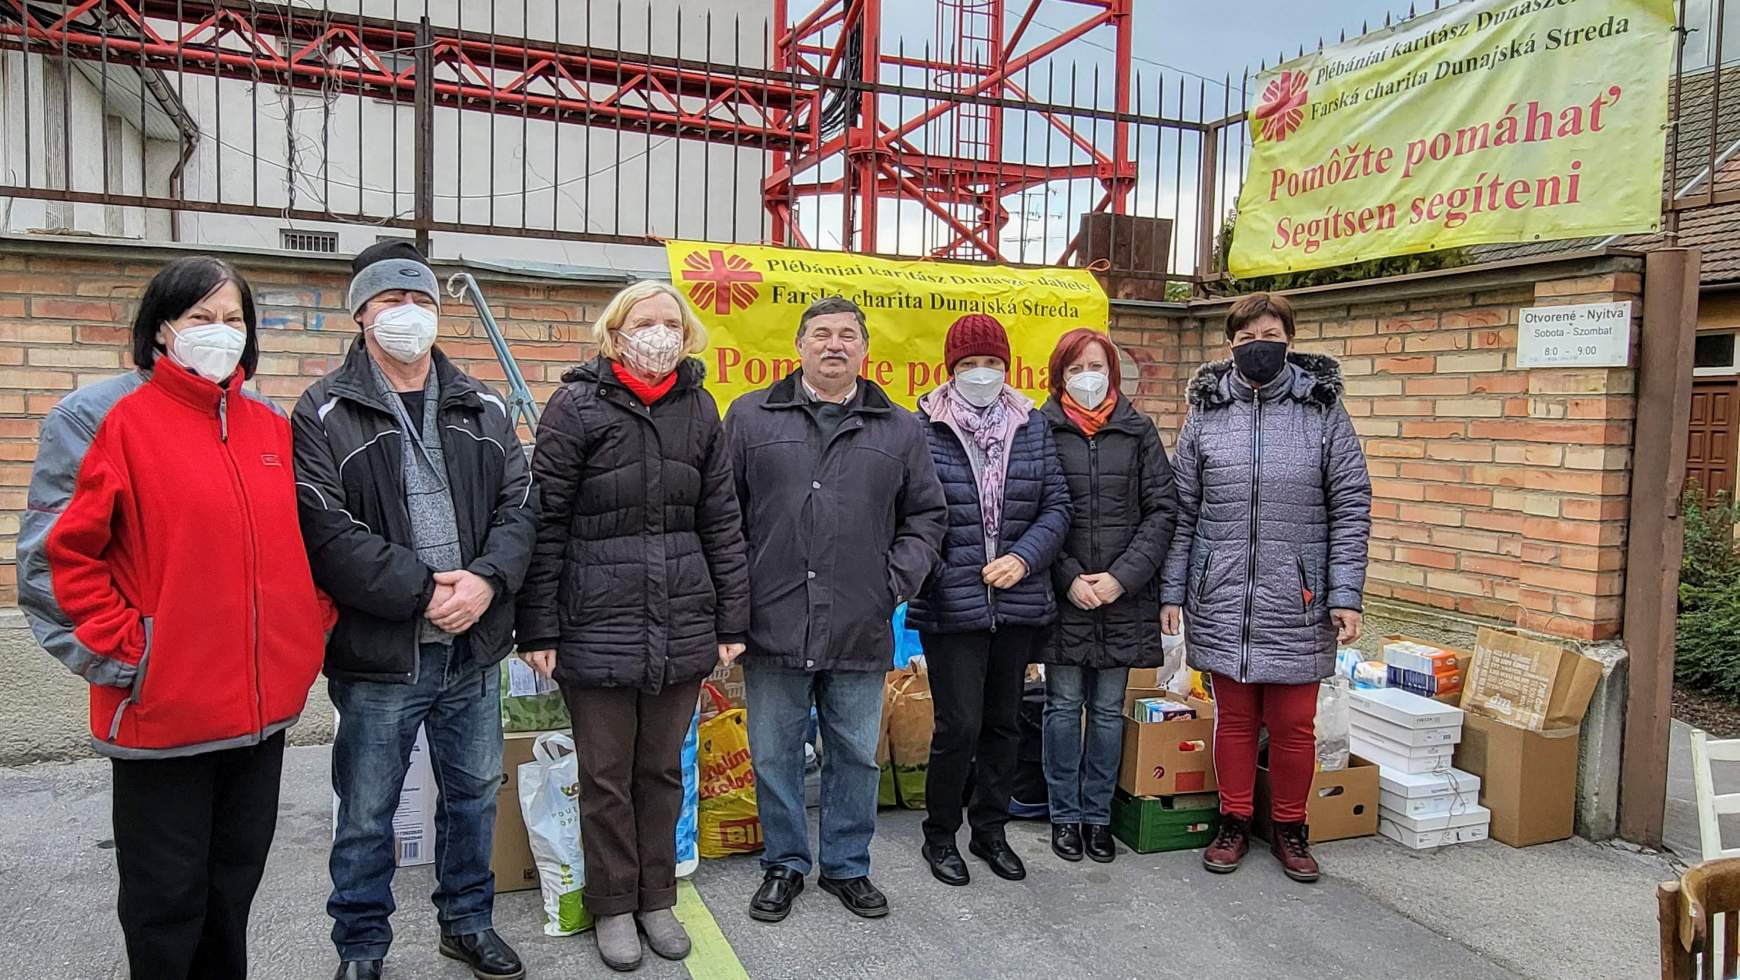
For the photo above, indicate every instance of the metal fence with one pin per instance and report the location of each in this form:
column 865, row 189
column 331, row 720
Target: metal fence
column 558, row 121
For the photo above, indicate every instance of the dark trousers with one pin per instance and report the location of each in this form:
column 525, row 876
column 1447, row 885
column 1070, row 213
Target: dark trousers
column 975, row 687
column 630, row 750
column 191, row 836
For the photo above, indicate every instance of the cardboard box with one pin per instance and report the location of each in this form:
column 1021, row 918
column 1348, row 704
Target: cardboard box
column 1449, row 665
column 1343, row 803
column 1403, row 709
column 1529, row 683
column 511, row 859
column 1144, row 677
column 1420, row 840
column 1167, row 758
column 1528, row 778
column 414, row 820
column 1408, row 737
column 1427, row 794
column 1475, row 815
column 1360, row 733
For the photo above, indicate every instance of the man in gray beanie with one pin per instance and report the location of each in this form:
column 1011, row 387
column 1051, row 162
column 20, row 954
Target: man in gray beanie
column 417, row 509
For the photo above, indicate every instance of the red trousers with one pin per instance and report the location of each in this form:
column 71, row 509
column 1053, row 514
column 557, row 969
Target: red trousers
column 1289, row 711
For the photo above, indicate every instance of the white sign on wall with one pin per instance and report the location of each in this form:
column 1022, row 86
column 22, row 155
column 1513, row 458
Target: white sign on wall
column 1585, row 335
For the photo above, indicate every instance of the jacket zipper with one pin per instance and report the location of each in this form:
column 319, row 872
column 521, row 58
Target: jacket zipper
column 1304, row 585
column 253, row 558
column 1094, row 530
column 1251, row 556
column 990, row 593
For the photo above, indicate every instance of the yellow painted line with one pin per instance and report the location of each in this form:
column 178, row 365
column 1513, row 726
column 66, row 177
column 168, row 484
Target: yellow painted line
column 710, row 955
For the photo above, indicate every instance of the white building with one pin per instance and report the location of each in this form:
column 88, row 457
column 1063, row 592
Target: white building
column 270, row 147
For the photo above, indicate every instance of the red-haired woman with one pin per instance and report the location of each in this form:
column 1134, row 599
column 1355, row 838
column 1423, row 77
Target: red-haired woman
column 1122, row 507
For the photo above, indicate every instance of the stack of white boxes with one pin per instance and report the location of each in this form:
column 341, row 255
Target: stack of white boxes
column 1425, row 802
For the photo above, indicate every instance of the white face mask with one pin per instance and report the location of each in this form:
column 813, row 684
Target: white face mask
column 210, row 350
column 1088, row 388
column 406, row 331
column 653, row 350
column 980, row 386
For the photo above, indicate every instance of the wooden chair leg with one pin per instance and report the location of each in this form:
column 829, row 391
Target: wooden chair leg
column 1676, row 963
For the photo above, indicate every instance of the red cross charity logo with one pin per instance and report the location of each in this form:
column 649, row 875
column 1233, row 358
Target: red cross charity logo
column 1282, row 108
column 720, row 282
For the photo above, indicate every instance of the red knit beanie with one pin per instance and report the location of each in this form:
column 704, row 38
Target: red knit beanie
column 975, row 335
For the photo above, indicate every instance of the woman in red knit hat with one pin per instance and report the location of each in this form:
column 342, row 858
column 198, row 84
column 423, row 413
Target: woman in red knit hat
column 982, row 613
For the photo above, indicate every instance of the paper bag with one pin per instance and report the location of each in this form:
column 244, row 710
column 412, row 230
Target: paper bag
column 885, row 794
column 910, row 726
column 1532, row 684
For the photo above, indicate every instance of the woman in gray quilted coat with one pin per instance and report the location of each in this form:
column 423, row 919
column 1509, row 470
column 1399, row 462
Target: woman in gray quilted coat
column 1267, row 569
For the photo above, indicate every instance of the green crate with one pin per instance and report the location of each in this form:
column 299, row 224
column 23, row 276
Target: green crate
column 1149, row 824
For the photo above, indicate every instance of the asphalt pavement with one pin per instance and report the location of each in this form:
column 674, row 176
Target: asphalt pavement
column 1566, row 911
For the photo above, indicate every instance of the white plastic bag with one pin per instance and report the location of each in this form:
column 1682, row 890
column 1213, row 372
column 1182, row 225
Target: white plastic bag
column 1334, row 715
column 550, row 803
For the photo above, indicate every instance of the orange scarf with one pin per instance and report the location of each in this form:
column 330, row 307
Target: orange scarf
column 1090, row 422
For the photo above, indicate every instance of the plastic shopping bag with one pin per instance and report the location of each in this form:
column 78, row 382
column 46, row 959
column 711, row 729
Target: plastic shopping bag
column 688, row 821
column 1334, row 716
column 550, row 803
column 906, row 642
column 530, row 702
column 729, row 823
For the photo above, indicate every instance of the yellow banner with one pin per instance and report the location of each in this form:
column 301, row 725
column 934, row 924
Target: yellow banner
column 751, row 296
column 1487, row 121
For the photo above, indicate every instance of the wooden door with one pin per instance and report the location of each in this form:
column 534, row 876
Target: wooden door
column 1714, row 432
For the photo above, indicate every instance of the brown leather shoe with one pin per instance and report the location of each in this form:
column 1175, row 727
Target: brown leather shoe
column 1291, row 844
column 1231, row 843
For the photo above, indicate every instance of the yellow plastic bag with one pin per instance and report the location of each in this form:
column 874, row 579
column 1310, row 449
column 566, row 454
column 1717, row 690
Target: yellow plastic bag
column 728, row 821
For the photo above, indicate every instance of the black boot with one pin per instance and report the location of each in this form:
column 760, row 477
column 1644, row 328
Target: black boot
column 1066, row 841
column 1097, row 841
column 858, row 895
column 359, row 970
column 488, row 956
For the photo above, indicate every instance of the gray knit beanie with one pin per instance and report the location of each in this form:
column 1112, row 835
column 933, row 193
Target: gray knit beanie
column 390, row 265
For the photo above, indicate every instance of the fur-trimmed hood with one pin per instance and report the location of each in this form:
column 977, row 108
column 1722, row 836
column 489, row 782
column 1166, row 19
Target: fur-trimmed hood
column 1316, row 378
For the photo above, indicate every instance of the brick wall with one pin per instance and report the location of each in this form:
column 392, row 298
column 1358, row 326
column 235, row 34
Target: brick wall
column 65, row 321
column 1498, row 492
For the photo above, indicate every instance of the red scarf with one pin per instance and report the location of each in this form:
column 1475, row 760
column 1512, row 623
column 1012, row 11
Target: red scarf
column 648, row 394
column 1089, row 422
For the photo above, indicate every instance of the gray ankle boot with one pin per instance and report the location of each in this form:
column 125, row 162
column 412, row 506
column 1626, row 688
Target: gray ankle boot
column 618, row 942
column 664, row 934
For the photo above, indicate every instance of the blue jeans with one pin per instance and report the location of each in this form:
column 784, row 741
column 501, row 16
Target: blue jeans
column 459, row 705
column 849, row 707
column 1081, row 764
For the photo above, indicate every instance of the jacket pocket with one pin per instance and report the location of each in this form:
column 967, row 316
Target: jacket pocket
column 1307, row 596
column 1200, row 587
column 138, row 688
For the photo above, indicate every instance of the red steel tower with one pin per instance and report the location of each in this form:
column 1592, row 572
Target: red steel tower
column 879, row 142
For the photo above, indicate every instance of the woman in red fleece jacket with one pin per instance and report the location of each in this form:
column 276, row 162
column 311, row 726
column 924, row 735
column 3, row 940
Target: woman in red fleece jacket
column 177, row 562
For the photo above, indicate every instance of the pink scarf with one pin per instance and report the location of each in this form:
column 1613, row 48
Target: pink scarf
column 990, row 430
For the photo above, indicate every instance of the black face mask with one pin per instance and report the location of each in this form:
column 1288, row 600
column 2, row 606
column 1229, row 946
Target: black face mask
column 1260, row 361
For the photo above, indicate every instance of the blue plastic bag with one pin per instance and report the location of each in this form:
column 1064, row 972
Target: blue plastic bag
column 689, row 821
column 906, row 643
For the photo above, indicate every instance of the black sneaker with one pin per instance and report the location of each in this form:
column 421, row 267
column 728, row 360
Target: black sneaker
column 858, row 895
column 489, row 957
